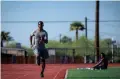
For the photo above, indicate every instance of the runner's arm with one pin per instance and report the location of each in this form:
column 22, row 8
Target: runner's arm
column 46, row 39
column 31, row 37
column 31, row 40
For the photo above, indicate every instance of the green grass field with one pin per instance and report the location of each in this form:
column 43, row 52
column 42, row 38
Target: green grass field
column 110, row 73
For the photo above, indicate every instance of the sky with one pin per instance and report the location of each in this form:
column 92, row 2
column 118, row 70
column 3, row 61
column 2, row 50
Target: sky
column 25, row 15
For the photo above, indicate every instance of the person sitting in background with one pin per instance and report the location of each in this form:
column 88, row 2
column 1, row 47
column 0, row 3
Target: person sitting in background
column 103, row 63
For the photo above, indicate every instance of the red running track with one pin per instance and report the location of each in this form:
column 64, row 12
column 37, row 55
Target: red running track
column 32, row 71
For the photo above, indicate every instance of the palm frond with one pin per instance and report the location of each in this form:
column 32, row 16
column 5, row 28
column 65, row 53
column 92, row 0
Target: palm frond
column 76, row 25
column 6, row 36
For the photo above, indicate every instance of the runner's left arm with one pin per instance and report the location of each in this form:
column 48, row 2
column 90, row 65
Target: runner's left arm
column 46, row 38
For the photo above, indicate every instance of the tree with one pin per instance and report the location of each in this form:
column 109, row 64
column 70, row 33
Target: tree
column 66, row 39
column 105, row 45
column 29, row 50
column 76, row 26
column 11, row 45
column 108, row 41
column 5, row 37
column 81, row 44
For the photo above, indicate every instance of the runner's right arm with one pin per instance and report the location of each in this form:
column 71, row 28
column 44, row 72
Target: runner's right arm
column 31, row 40
column 31, row 37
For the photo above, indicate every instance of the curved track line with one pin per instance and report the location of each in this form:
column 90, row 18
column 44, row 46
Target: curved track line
column 58, row 73
column 22, row 76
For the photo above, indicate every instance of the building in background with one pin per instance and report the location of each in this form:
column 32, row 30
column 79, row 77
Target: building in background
column 10, row 55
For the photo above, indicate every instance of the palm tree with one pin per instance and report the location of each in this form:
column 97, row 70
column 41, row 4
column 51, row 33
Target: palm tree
column 77, row 26
column 5, row 37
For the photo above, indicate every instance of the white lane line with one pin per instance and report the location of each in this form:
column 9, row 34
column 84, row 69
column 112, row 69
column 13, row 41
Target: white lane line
column 21, row 76
column 58, row 73
column 66, row 74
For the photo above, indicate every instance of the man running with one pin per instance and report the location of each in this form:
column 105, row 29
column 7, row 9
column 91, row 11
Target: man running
column 38, row 45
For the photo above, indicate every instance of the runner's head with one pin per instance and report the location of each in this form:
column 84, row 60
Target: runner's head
column 40, row 25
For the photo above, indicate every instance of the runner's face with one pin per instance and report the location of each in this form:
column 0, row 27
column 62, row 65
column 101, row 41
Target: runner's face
column 40, row 26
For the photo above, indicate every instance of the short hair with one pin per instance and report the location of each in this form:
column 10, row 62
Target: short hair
column 103, row 55
column 41, row 22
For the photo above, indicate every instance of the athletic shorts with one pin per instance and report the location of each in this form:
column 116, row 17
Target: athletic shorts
column 41, row 52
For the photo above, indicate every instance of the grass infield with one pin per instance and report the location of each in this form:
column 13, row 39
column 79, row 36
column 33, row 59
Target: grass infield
column 110, row 73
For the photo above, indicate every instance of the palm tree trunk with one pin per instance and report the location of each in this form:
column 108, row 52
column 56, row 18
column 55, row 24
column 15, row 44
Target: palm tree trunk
column 76, row 34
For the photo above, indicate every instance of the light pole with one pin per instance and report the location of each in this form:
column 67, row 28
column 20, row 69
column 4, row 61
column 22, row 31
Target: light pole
column 113, row 42
column 86, row 40
column 97, row 31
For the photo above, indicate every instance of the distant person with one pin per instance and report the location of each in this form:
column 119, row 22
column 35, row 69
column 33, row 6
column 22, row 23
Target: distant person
column 61, row 58
column 103, row 63
column 26, row 58
column 73, row 59
column 38, row 45
column 1, row 43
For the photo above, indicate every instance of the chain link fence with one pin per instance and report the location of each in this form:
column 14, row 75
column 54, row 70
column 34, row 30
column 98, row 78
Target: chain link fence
column 64, row 56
